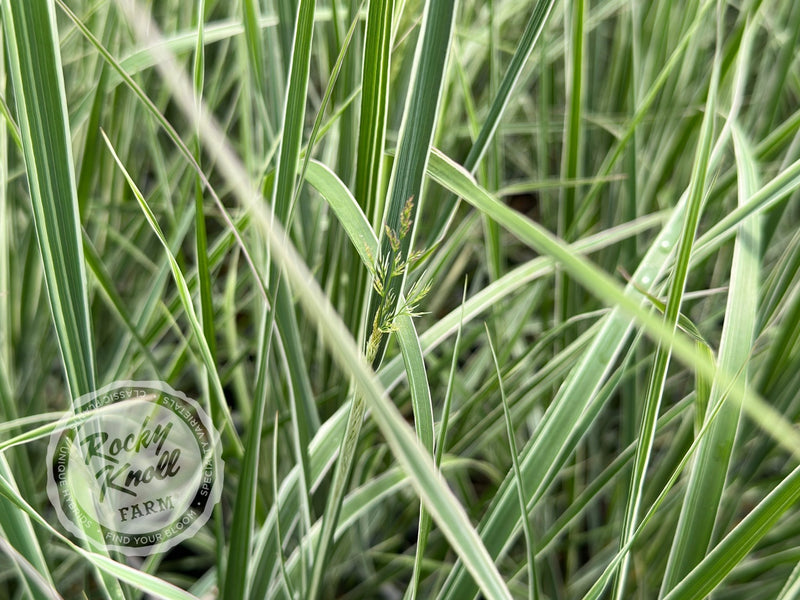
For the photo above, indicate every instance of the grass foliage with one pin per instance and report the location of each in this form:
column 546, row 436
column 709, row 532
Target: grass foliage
column 487, row 299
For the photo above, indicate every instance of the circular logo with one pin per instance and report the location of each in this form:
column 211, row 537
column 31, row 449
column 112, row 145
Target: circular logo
column 137, row 469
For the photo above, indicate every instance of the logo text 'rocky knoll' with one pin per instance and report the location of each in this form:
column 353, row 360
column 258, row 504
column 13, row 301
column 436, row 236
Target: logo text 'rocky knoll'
column 138, row 471
column 121, row 477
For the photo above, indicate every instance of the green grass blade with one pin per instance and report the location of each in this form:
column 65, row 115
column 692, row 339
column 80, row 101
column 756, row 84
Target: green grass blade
column 285, row 583
column 495, row 256
column 522, row 52
column 287, row 23
column 413, row 148
column 710, row 468
column 791, row 588
column 646, row 103
column 91, row 155
column 425, row 521
column 336, row 494
column 533, row 587
column 295, row 110
column 739, row 542
column 315, row 130
column 417, row 380
column 573, row 136
column 374, row 108
column 304, row 411
column 6, row 315
column 539, row 457
column 201, row 239
column 372, row 126
column 40, row 100
column 201, row 253
column 423, row 421
column 104, row 280
column 441, row 439
column 258, row 64
column 533, row 29
column 655, row 390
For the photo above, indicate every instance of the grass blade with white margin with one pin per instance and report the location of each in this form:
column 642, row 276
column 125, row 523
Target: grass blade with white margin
column 426, row 524
column 645, row 104
column 500, row 524
column 791, row 588
column 575, row 15
column 374, row 108
column 423, row 416
column 247, row 488
column 739, row 542
column 413, row 150
column 658, row 376
column 405, row 188
column 710, row 467
column 315, row 129
column 322, row 450
column 39, row 93
column 42, row 588
column 14, row 526
column 444, row 507
column 295, row 110
column 36, row 73
column 305, row 420
column 201, row 256
column 258, row 65
column 371, row 134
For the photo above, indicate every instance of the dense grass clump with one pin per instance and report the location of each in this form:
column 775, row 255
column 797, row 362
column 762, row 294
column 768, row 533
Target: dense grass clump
column 492, row 300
